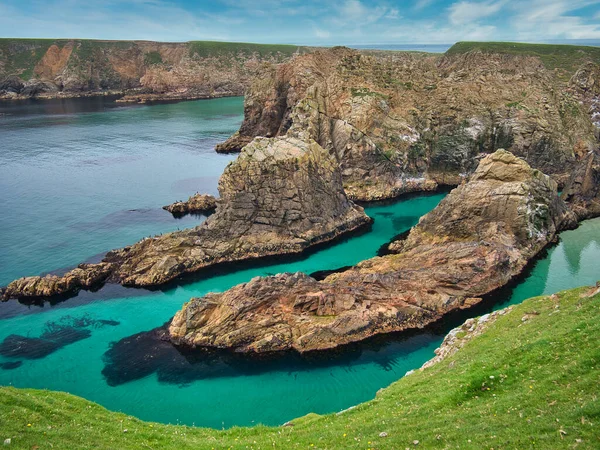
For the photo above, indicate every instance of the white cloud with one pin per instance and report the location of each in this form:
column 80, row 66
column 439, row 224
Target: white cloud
column 322, row 34
column 554, row 19
column 467, row 12
column 421, row 4
column 393, row 14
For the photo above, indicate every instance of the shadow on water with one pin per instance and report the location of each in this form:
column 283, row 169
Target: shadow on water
column 55, row 336
column 149, row 352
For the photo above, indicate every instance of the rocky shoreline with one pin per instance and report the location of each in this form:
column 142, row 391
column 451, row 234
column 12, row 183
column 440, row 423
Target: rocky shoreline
column 480, row 236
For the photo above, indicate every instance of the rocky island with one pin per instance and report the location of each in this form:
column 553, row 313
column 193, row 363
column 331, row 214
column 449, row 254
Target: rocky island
column 479, row 237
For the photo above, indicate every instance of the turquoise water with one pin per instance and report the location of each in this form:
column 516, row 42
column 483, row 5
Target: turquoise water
column 215, row 390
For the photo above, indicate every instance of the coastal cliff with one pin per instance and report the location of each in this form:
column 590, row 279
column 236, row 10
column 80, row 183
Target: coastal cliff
column 140, row 70
column 401, row 122
column 479, row 237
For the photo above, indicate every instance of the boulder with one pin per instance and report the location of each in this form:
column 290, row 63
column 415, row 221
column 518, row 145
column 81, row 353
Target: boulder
column 197, row 203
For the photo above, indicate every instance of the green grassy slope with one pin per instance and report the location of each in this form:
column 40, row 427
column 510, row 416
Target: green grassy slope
column 543, row 394
column 563, row 57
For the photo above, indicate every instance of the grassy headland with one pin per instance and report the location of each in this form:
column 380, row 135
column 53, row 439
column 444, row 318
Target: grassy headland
column 565, row 58
column 530, row 381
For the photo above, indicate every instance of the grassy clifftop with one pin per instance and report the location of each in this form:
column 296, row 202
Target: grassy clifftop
column 562, row 57
column 529, row 381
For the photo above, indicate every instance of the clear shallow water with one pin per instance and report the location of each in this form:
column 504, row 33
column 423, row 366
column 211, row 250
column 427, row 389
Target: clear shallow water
column 217, row 391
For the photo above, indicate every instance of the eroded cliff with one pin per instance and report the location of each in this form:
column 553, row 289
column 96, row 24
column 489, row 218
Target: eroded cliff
column 142, row 70
column 401, row 122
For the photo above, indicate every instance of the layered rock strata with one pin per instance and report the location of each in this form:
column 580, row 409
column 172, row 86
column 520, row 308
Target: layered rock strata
column 403, row 122
column 478, row 238
column 197, row 203
column 279, row 197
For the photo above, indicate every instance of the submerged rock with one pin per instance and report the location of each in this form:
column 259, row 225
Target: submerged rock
column 479, row 237
column 582, row 192
column 85, row 276
column 402, row 122
column 197, row 203
column 280, row 196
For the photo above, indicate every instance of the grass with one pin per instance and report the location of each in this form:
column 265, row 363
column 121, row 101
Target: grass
column 567, row 58
column 21, row 55
column 522, row 384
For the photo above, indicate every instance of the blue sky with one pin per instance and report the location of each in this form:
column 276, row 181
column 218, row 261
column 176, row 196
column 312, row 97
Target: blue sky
column 310, row 22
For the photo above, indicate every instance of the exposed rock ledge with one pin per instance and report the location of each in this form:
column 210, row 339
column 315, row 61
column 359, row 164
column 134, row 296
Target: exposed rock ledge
column 280, row 196
column 85, row 276
column 479, row 237
column 197, row 203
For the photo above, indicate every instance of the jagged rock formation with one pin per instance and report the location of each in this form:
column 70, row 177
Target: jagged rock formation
column 197, row 203
column 85, row 276
column 143, row 70
column 280, row 196
column 401, row 122
column 479, row 237
column 582, row 193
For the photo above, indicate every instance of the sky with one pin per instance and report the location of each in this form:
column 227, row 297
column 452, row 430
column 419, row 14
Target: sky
column 304, row 22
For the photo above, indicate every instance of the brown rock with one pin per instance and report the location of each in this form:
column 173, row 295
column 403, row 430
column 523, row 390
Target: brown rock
column 197, row 203
column 281, row 196
column 402, row 122
column 582, row 192
column 479, row 237
column 85, row 276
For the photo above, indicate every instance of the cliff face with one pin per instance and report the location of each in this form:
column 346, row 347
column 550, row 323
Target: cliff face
column 582, row 192
column 479, row 237
column 143, row 70
column 400, row 122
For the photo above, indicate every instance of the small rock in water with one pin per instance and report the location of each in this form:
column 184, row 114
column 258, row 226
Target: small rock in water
column 383, row 434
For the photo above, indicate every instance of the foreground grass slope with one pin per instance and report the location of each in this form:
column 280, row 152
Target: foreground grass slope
column 530, row 381
column 565, row 58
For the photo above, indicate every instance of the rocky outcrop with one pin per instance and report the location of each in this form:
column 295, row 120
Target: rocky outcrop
column 141, row 70
column 85, row 276
column 197, row 203
column 582, row 192
column 402, row 122
column 478, row 238
column 280, row 196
